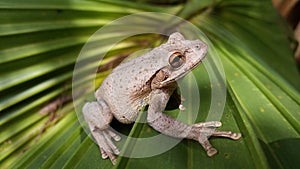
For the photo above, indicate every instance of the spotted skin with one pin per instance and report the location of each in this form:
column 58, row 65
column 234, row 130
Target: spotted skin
column 150, row 80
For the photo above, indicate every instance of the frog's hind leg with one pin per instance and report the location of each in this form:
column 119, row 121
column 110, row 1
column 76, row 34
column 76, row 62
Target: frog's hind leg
column 98, row 117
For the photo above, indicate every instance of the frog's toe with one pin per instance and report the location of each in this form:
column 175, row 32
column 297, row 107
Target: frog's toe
column 181, row 107
column 107, row 147
column 103, row 153
column 114, row 135
column 109, row 155
column 210, row 150
column 236, row 136
column 112, row 158
column 228, row 134
column 212, row 124
column 110, row 146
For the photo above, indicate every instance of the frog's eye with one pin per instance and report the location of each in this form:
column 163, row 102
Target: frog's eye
column 176, row 59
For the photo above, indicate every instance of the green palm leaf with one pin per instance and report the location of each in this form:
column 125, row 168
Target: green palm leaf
column 40, row 42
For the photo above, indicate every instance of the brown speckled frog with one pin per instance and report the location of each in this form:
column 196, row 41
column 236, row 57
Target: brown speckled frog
column 149, row 80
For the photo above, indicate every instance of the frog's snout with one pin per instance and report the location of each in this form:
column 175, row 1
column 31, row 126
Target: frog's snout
column 199, row 45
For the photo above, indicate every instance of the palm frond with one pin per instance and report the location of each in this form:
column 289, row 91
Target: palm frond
column 40, row 42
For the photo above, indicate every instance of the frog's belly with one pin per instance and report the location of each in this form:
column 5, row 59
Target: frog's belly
column 128, row 112
column 125, row 100
column 128, row 117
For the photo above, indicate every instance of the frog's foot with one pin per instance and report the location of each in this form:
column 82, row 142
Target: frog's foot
column 207, row 129
column 107, row 147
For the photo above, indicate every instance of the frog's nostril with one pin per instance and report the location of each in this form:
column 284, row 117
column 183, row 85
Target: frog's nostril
column 200, row 45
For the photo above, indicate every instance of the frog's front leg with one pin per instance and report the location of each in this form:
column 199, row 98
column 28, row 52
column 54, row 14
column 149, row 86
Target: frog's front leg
column 98, row 117
column 170, row 126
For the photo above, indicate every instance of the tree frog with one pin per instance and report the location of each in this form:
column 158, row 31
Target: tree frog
column 150, row 80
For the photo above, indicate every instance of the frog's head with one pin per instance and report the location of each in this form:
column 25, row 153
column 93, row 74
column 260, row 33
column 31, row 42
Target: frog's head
column 183, row 56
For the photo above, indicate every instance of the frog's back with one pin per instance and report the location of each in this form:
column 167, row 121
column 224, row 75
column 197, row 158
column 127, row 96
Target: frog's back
column 126, row 90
